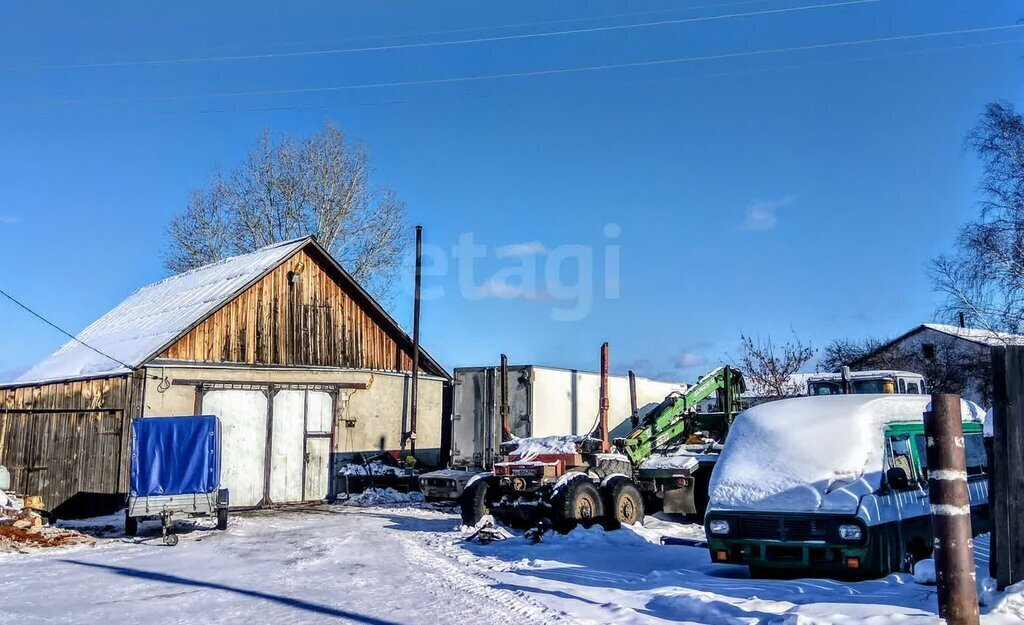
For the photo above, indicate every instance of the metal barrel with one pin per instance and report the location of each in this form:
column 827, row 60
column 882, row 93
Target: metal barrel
column 950, row 511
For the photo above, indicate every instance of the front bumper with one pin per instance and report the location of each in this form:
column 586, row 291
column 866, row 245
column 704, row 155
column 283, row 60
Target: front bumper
column 809, row 541
column 824, row 557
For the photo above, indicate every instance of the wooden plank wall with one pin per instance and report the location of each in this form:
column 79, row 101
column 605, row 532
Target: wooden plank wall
column 1006, row 481
column 310, row 320
column 68, row 442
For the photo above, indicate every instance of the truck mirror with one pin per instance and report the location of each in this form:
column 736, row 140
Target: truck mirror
column 897, row 478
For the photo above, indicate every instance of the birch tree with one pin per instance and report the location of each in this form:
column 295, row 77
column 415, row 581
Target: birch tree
column 983, row 278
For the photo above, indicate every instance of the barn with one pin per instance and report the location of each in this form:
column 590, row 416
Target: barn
column 304, row 368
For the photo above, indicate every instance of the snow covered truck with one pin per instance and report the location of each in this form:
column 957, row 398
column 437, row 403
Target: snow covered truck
column 571, row 480
column 834, row 485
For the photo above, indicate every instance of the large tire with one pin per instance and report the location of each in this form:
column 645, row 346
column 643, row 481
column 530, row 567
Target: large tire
column 577, row 503
column 222, row 518
column 623, row 503
column 473, row 502
column 131, row 525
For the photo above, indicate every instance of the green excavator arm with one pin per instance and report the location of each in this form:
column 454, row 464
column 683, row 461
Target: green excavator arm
column 673, row 419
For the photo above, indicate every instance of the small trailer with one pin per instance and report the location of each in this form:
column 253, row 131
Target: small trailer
column 175, row 472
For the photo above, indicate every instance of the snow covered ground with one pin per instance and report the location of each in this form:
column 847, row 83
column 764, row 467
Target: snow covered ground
column 384, row 565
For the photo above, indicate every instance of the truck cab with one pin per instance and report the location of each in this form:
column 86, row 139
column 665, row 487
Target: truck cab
column 833, row 485
column 886, row 382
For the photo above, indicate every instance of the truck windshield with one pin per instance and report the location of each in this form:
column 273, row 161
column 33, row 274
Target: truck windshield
column 865, row 387
column 825, row 388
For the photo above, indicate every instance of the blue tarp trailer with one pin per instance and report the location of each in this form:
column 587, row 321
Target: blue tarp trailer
column 175, row 472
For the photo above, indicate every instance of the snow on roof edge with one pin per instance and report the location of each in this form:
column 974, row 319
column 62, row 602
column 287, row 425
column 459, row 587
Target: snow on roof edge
column 153, row 316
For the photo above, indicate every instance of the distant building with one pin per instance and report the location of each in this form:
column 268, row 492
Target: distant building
column 951, row 358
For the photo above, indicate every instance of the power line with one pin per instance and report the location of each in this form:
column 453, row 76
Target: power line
column 475, row 29
column 469, row 96
column 432, row 44
column 65, row 332
column 546, row 72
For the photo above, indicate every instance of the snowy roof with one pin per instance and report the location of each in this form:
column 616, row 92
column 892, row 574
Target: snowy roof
column 155, row 315
column 811, row 453
column 860, row 375
column 977, row 335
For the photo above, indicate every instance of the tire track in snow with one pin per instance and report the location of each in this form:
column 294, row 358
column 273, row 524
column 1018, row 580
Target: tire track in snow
column 463, row 578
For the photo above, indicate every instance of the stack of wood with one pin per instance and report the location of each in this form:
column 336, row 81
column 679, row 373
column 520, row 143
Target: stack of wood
column 24, row 527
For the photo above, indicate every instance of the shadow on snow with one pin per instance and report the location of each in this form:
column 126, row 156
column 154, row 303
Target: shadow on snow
column 286, row 601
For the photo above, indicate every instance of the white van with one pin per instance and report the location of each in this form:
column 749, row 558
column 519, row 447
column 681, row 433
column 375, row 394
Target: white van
column 835, row 484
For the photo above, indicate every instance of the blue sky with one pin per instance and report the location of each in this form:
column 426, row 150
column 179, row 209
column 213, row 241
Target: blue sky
column 760, row 192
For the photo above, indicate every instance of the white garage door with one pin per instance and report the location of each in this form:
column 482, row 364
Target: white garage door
column 300, row 449
column 287, row 448
column 243, row 418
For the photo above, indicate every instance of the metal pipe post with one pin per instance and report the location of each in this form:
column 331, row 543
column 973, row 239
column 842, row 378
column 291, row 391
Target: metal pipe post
column 951, row 511
column 634, row 412
column 415, row 341
column 506, row 427
column 603, row 409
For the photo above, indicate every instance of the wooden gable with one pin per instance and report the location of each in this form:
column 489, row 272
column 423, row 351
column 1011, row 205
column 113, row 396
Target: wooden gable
column 297, row 314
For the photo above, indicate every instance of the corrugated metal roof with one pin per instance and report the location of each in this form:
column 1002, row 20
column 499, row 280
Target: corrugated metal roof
column 150, row 318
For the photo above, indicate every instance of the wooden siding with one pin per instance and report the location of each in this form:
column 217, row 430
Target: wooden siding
column 311, row 320
column 68, row 442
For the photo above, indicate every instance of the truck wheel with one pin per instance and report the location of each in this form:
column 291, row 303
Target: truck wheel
column 473, row 502
column 222, row 518
column 623, row 503
column 579, row 502
column 131, row 525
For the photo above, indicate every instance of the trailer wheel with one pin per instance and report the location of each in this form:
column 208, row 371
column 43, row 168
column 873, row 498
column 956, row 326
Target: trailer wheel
column 623, row 503
column 473, row 502
column 579, row 502
column 222, row 518
column 131, row 525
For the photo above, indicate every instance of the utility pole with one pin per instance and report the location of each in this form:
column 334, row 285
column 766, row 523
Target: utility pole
column 415, row 341
column 951, row 511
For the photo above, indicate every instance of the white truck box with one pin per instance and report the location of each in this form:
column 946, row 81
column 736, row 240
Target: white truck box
column 543, row 401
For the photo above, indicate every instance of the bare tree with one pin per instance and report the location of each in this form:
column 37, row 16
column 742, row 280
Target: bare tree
column 291, row 187
column 769, row 368
column 984, row 278
column 841, row 352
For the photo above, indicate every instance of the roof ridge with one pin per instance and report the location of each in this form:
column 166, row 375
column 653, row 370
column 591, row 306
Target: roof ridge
column 221, row 262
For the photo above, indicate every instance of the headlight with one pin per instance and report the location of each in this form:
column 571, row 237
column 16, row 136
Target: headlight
column 850, row 532
column 718, row 526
